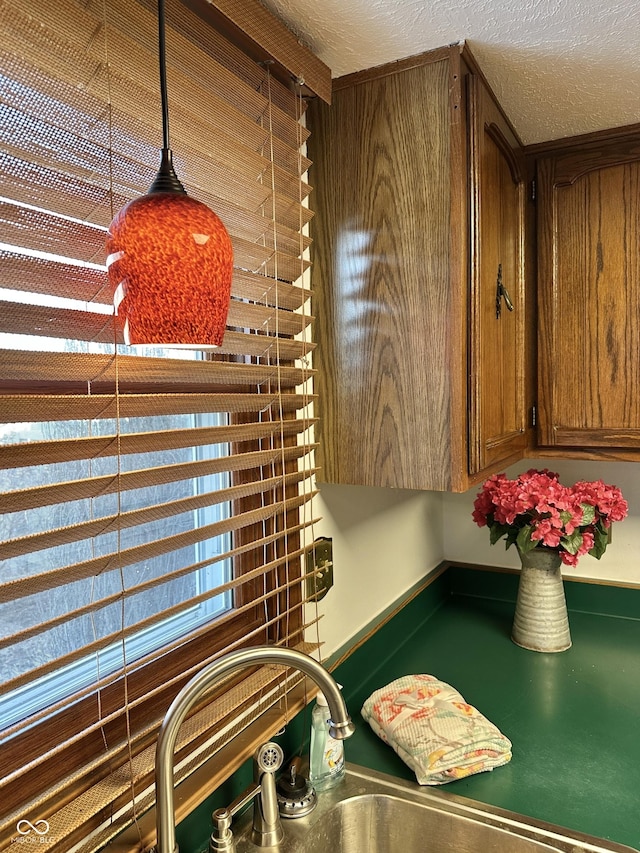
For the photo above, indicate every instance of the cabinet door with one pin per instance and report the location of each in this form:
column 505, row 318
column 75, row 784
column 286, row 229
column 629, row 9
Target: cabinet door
column 497, row 346
column 382, row 283
column 589, row 292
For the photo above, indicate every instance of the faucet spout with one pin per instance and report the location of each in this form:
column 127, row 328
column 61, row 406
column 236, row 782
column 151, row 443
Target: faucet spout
column 340, row 723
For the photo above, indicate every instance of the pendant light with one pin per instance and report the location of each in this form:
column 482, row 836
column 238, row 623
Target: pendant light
column 170, row 258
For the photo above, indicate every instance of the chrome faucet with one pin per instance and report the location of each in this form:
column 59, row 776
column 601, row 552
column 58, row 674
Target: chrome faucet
column 340, row 724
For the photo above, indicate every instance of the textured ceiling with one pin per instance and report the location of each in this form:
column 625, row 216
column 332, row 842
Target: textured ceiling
column 558, row 67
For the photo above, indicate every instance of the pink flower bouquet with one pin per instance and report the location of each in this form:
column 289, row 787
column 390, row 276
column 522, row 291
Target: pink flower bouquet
column 535, row 510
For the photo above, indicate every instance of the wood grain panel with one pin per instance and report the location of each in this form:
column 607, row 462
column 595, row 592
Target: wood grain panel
column 589, row 291
column 497, row 349
column 381, row 273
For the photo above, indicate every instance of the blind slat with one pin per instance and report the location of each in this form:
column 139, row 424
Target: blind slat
column 26, row 319
column 141, row 105
column 89, row 369
column 235, row 583
column 77, row 490
column 51, row 407
column 192, row 71
column 263, row 290
column 61, row 450
column 200, row 30
column 262, row 317
column 40, row 275
column 115, row 636
column 266, row 347
column 257, row 258
column 37, row 230
column 15, row 589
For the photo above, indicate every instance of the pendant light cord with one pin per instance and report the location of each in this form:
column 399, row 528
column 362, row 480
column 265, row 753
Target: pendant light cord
column 166, row 180
column 162, row 51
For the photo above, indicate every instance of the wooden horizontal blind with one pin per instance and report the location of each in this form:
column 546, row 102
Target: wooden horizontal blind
column 140, row 488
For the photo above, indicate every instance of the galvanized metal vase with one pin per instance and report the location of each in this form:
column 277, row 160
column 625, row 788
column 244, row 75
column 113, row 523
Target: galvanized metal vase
column 540, row 621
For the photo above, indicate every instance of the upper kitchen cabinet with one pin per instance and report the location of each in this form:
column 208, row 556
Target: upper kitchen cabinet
column 588, row 294
column 418, row 261
column 497, row 387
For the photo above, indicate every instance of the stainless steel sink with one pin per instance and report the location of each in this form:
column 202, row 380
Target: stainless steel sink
column 371, row 812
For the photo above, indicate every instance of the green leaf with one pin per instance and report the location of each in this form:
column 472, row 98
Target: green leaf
column 601, row 540
column 523, row 539
column 512, row 537
column 565, row 516
column 573, row 542
column 497, row 531
column 588, row 514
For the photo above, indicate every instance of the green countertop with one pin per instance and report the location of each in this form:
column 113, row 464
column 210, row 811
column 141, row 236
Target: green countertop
column 573, row 717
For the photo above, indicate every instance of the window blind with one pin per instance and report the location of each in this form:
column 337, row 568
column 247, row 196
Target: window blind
column 155, row 503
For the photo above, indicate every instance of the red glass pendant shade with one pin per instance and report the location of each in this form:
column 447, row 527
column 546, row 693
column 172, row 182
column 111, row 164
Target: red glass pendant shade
column 169, row 257
column 170, row 264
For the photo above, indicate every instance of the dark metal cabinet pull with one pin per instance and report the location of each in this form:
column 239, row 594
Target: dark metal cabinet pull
column 502, row 293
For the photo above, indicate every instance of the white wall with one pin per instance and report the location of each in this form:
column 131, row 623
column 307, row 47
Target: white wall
column 386, row 540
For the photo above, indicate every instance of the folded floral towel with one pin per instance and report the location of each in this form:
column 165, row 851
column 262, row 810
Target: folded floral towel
column 435, row 732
